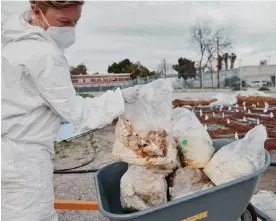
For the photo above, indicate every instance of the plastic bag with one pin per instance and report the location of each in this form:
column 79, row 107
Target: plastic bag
column 249, row 93
column 187, row 181
column 224, row 99
column 266, row 202
column 238, row 159
column 141, row 188
column 143, row 134
column 193, row 139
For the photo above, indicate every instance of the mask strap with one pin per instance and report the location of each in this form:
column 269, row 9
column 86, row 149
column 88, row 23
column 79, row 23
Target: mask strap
column 44, row 17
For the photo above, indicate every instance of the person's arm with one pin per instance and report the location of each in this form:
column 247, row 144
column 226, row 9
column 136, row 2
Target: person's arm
column 52, row 78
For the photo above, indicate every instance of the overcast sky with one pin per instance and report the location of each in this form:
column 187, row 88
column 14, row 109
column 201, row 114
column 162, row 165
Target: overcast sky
column 150, row 31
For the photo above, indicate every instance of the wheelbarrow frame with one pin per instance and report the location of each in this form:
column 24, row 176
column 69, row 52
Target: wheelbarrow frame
column 93, row 206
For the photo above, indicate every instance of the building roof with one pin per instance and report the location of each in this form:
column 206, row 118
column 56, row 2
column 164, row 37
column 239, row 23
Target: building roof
column 260, row 66
column 102, row 75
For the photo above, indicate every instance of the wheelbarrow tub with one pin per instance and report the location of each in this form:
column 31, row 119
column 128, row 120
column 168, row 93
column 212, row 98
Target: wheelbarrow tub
column 225, row 202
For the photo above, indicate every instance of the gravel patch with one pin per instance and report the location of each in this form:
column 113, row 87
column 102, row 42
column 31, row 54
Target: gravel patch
column 82, row 186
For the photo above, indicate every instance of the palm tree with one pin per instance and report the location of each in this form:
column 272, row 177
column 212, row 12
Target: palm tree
column 233, row 58
column 220, row 59
column 225, row 58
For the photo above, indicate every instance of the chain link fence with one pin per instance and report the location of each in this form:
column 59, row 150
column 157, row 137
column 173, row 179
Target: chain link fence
column 124, row 84
column 234, row 79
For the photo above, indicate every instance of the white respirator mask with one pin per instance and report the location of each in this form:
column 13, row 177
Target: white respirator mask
column 64, row 36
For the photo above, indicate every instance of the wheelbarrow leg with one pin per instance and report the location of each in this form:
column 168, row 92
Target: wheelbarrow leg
column 255, row 214
column 75, row 205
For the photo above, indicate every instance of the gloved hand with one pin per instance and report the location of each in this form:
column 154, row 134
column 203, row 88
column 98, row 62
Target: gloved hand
column 130, row 94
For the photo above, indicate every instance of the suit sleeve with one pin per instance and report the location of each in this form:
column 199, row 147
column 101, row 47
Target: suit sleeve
column 52, row 78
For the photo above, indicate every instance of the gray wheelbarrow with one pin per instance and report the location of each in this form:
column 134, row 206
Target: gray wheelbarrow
column 226, row 202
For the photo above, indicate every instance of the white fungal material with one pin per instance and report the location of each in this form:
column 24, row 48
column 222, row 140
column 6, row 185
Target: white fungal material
column 236, row 136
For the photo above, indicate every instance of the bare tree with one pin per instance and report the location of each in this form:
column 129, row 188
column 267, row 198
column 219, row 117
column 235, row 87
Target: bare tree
column 205, row 39
column 165, row 68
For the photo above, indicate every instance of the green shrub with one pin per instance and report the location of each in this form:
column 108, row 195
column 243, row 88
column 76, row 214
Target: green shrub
column 85, row 95
column 264, row 88
column 235, row 88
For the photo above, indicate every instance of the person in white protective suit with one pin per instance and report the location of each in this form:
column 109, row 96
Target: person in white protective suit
column 37, row 93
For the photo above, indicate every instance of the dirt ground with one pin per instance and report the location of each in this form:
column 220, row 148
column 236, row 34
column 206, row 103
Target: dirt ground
column 82, row 186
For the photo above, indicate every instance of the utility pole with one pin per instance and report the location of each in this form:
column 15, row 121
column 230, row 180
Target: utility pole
column 165, row 68
column 212, row 74
column 240, row 74
column 218, row 60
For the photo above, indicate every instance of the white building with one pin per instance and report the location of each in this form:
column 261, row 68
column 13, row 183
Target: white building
column 258, row 73
column 245, row 73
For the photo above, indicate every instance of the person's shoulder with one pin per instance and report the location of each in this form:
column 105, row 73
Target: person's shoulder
column 21, row 40
column 41, row 47
column 23, row 51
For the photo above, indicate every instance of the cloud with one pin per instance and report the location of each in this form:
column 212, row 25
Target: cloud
column 150, row 31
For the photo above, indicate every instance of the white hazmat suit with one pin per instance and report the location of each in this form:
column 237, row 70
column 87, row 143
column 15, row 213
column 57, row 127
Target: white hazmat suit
column 36, row 94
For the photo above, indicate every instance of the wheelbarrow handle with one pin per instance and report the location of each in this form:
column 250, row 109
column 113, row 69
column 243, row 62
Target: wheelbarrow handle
column 75, row 205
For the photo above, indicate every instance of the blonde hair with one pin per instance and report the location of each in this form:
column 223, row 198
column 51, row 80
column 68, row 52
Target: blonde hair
column 43, row 5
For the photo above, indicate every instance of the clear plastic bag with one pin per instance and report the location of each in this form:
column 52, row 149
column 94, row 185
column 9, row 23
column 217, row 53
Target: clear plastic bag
column 143, row 134
column 193, row 139
column 187, row 181
column 141, row 188
column 238, row 159
column 224, row 99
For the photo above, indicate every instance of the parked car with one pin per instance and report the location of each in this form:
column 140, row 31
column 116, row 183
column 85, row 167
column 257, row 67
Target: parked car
column 255, row 84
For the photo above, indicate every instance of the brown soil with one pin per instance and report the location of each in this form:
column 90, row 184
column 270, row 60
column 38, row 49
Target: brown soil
column 254, row 99
column 181, row 103
column 225, row 130
column 249, row 101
